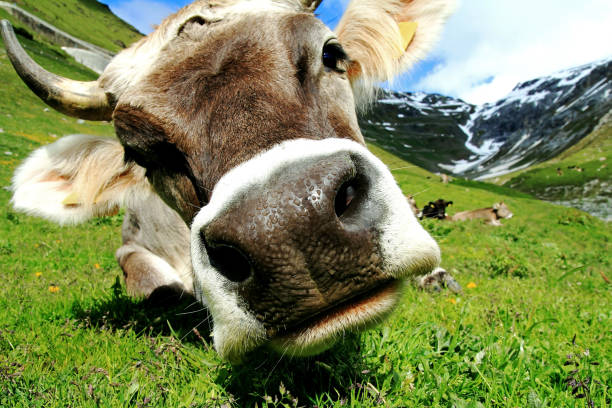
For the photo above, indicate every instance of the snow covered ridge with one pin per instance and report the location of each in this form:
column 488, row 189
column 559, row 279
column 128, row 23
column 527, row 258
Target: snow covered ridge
column 538, row 120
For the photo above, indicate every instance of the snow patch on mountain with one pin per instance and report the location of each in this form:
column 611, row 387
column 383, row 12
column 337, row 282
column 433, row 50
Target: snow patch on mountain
column 538, row 120
column 548, row 113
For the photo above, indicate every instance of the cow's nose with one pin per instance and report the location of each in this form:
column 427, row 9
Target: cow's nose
column 301, row 240
column 325, row 199
column 229, row 260
column 225, row 252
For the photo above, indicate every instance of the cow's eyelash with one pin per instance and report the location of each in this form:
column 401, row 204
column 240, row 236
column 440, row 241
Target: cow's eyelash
column 334, row 57
column 193, row 20
column 201, row 21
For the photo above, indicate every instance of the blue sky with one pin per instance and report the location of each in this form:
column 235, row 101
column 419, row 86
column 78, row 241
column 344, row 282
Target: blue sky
column 487, row 47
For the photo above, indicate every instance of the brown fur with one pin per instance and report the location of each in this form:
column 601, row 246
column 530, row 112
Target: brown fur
column 151, row 260
column 491, row 215
column 192, row 114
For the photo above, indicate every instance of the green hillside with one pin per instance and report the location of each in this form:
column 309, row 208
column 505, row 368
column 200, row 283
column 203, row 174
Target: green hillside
column 25, row 121
column 88, row 20
column 531, row 328
column 580, row 176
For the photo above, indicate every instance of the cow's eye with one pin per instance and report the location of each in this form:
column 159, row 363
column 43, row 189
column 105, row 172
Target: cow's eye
column 195, row 20
column 193, row 24
column 334, row 56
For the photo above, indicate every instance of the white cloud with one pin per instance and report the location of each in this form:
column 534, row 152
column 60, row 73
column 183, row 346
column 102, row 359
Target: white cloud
column 489, row 46
column 143, row 14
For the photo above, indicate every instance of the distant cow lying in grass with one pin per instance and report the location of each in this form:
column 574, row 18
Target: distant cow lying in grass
column 435, row 209
column 241, row 166
column 439, row 277
column 491, row 215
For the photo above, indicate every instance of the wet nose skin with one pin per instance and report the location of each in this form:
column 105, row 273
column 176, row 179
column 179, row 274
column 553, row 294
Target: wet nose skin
column 304, row 241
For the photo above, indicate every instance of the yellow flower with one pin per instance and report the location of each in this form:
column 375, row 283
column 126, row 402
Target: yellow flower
column 38, row 274
column 452, row 300
column 54, row 289
column 471, row 285
column 97, row 266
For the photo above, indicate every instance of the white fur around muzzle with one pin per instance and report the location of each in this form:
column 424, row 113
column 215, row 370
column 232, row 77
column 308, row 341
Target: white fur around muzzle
column 406, row 247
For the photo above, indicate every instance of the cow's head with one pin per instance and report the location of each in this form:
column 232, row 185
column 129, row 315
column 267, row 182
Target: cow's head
column 436, row 209
column 243, row 115
column 501, row 210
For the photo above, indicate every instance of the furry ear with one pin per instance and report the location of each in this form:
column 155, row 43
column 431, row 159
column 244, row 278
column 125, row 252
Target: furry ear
column 76, row 178
column 386, row 37
column 496, row 206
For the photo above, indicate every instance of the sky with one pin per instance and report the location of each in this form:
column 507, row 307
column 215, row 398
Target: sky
column 487, row 47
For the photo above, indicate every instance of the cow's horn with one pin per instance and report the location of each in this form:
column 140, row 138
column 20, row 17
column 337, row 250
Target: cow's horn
column 85, row 100
column 311, row 4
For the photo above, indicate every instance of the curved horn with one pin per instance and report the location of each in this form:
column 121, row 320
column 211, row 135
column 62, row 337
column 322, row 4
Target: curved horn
column 311, row 4
column 85, row 100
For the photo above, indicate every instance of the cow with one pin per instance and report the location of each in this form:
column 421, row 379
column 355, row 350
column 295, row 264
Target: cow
column 436, row 209
column 491, row 215
column 445, row 178
column 438, row 278
column 413, row 205
column 241, row 167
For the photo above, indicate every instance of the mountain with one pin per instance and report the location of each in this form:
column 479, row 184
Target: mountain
column 537, row 121
column 424, row 129
column 580, row 177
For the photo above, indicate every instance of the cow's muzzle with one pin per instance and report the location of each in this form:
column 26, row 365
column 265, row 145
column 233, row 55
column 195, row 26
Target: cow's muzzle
column 303, row 247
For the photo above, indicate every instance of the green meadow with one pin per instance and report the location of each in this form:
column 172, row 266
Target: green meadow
column 532, row 327
column 583, row 163
column 88, row 20
column 581, row 175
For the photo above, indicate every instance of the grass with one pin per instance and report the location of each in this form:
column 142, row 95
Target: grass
column 531, row 329
column 23, row 115
column 88, row 20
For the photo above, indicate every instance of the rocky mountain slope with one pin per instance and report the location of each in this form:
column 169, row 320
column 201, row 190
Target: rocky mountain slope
column 580, row 177
column 537, row 121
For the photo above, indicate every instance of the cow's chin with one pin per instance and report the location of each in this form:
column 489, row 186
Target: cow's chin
column 320, row 332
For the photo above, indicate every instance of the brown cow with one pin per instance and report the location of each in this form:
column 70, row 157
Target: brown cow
column 491, row 215
column 241, row 166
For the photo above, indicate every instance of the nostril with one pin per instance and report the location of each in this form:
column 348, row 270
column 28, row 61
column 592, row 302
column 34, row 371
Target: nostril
column 229, row 261
column 346, row 194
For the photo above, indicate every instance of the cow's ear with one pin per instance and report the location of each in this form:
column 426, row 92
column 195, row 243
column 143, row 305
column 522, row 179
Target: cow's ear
column 385, row 37
column 76, row 178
